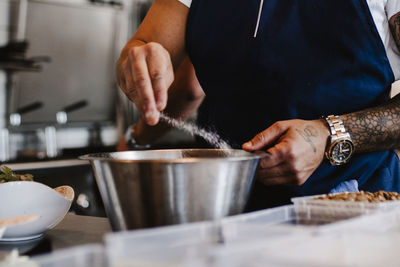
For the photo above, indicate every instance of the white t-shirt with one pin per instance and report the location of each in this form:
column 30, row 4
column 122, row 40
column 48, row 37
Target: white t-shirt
column 382, row 11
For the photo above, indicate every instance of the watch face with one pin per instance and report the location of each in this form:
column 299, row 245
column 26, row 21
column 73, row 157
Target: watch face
column 342, row 151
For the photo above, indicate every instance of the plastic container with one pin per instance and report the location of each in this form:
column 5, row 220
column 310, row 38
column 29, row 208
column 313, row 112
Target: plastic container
column 332, row 210
column 269, row 237
column 362, row 205
column 196, row 244
column 380, row 222
column 91, row 255
column 190, row 247
column 274, row 216
column 180, row 245
column 293, row 215
column 344, row 250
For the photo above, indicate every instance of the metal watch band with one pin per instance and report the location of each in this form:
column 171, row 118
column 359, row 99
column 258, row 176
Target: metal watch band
column 131, row 141
column 336, row 126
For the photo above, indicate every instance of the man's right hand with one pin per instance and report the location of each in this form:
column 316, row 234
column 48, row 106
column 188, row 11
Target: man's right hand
column 145, row 75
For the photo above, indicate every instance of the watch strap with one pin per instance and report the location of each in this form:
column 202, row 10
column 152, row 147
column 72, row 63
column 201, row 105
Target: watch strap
column 336, row 127
column 338, row 134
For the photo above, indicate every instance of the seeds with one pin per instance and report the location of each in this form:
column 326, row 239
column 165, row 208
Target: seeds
column 380, row 196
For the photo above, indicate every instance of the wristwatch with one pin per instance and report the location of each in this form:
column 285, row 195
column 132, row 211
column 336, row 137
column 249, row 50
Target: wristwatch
column 131, row 141
column 340, row 147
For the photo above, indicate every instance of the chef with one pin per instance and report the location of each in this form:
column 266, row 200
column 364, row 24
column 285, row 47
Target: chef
column 307, row 81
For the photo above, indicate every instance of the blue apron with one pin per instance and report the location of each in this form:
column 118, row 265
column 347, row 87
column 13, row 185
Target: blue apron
column 310, row 58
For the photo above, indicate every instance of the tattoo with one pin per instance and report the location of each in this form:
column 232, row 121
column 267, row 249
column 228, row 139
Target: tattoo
column 394, row 24
column 375, row 128
column 307, row 133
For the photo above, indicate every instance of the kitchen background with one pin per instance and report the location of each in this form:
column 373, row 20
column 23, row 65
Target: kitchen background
column 58, row 94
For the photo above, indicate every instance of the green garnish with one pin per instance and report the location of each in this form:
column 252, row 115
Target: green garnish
column 9, row 176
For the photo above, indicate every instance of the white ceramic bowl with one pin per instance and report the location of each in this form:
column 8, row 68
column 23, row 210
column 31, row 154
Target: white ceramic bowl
column 32, row 198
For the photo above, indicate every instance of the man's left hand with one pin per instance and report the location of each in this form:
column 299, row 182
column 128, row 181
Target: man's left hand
column 296, row 149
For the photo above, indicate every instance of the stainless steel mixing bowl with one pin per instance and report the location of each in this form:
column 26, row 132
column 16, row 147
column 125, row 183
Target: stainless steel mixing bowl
column 150, row 188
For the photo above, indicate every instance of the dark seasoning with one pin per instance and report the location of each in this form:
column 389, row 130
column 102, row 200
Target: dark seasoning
column 362, row 196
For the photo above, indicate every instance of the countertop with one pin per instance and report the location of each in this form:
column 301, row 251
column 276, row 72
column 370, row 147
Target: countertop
column 73, row 230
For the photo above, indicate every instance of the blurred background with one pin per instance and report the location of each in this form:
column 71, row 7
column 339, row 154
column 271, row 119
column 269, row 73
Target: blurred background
column 58, row 95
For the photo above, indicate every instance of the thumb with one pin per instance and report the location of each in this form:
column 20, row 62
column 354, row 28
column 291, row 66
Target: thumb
column 266, row 137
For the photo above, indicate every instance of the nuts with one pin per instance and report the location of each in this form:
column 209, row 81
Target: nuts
column 380, row 196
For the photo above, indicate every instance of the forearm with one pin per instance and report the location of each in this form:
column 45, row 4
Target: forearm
column 146, row 67
column 163, row 24
column 376, row 128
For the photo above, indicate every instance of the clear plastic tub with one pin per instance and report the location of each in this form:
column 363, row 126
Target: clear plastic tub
column 344, row 249
column 280, row 215
column 269, row 237
column 91, row 255
column 178, row 249
column 294, row 215
column 333, row 210
column 362, row 205
column 165, row 246
column 380, row 222
column 331, row 248
column 195, row 244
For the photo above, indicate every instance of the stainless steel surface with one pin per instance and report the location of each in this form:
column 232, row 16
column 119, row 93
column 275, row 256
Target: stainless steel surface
column 84, row 40
column 32, row 138
column 18, row 10
column 4, row 144
column 51, row 141
column 150, row 188
column 81, row 39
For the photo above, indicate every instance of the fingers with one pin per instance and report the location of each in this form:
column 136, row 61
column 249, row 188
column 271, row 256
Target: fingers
column 276, row 155
column 148, row 73
column 161, row 75
column 275, row 169
column 282, row 174
column 266, row 137
column 280, row 180
column 142, row 87
column 297, row 151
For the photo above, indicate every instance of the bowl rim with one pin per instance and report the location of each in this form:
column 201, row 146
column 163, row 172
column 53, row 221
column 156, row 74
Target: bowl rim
column 46, row 187
column 102, row 156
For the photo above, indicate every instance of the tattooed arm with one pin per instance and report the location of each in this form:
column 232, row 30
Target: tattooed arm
column 376, row 128
column 298, row 145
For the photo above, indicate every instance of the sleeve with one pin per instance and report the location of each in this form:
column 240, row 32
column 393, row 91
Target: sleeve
column 188, row 2
column 392, row 8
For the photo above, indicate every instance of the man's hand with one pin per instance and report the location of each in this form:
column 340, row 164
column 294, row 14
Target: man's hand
column 146, row 66
column 145, row 76
column 297, row 150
